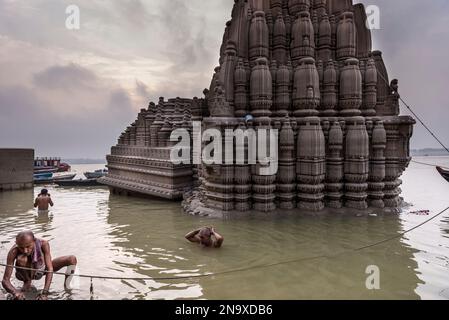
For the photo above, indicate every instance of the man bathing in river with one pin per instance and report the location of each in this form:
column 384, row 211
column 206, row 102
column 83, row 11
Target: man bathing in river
column 207, row 236
column 43, row 201
column 30, row 252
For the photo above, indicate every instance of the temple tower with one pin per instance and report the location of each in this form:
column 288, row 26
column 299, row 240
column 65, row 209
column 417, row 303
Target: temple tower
column 305, row 68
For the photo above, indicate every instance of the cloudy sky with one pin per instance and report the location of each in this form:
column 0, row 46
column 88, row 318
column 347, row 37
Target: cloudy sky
column 70, row 93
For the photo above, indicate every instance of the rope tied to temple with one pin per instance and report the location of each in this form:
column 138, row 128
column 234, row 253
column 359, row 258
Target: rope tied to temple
column 416, row 116
column 191, row 277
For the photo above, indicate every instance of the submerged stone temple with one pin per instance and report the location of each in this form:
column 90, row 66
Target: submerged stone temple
column 305, row 68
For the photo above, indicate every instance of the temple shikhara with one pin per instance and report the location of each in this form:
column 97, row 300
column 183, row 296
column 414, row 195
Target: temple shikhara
column 306, row 68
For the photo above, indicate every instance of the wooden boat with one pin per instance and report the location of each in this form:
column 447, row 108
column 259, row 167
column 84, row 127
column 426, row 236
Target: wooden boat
column 49, row 178
column 63, row 176
column 45, row 170
column 44, row 165
column 43, row 177
column 97, row 174
column 444, row 173
column 78, row 183
column 64, row 167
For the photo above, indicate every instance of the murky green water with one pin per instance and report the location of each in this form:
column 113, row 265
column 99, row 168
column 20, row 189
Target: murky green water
column 129, row 237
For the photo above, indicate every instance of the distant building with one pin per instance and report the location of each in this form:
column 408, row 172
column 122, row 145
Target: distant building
column 16, row 169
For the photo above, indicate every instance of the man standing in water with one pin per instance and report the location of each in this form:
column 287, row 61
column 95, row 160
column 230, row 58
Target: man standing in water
column 207, row 236
column 30, row 252
column 43, row 201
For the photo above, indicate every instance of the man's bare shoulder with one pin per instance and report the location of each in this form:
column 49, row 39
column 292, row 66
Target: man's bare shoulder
column 14, row 252
column 45, row 244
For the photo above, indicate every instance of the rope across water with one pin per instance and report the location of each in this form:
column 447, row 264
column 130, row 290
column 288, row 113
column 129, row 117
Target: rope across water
column 311, row 258
column 429, row 164
column 416, row 116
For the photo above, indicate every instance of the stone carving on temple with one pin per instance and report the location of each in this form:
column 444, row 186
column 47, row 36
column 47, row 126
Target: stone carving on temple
column 305, row 68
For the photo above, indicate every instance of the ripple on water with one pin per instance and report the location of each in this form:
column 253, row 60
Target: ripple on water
column 129, row 237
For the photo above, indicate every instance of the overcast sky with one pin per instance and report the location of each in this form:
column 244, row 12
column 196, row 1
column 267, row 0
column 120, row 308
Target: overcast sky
column 70, row 93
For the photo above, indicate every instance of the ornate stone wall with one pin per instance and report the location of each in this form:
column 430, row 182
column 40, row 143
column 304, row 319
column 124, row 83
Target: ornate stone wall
column 306, row 68
column 140, row 162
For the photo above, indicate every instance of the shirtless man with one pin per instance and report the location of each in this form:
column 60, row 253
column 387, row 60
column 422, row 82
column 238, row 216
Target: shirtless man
column 30, row 252
column 43, row 201
column 207, row 236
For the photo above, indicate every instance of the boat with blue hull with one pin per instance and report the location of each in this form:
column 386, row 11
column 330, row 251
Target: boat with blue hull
column 49, row 178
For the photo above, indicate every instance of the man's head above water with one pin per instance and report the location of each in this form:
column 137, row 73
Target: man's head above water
column 25, row 242
column 205, row 235
column 206, row 232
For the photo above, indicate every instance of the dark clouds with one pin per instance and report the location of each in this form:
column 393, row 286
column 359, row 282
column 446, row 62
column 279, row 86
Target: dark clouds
column 68, row 111
column 65, row 77
column 71, row 93
column 142, row 90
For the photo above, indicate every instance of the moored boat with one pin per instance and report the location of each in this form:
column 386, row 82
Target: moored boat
column 78, row 183
column 97, row 174
column 41, row 177
column 444, row 173
column 45, row 170
column 63, row 176
column 45, row 165
column 64, row 167
column 49, row 178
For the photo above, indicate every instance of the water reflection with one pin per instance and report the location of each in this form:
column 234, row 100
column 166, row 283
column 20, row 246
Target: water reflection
column 427, row 190
column 131, row 237
column 153, row 236
column 150, row 239
column 44, row 220
column 16, row 212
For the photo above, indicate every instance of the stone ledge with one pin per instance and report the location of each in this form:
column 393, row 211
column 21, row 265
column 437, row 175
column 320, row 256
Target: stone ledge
column 146, row 189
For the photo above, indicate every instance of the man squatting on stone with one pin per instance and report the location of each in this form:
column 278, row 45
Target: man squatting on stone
column 31, row 252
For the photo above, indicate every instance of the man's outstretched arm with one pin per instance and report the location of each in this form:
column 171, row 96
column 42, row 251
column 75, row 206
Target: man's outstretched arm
column 219, row 238
column 192, row 236
column 6, row 283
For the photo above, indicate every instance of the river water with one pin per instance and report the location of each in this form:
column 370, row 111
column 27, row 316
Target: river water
column 131, row 237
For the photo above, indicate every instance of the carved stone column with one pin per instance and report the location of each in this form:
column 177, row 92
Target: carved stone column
column 311, row 165
column 356, row 163
column 286, row 186
column 306, row 89
column 376, row 183
column 335, row 167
